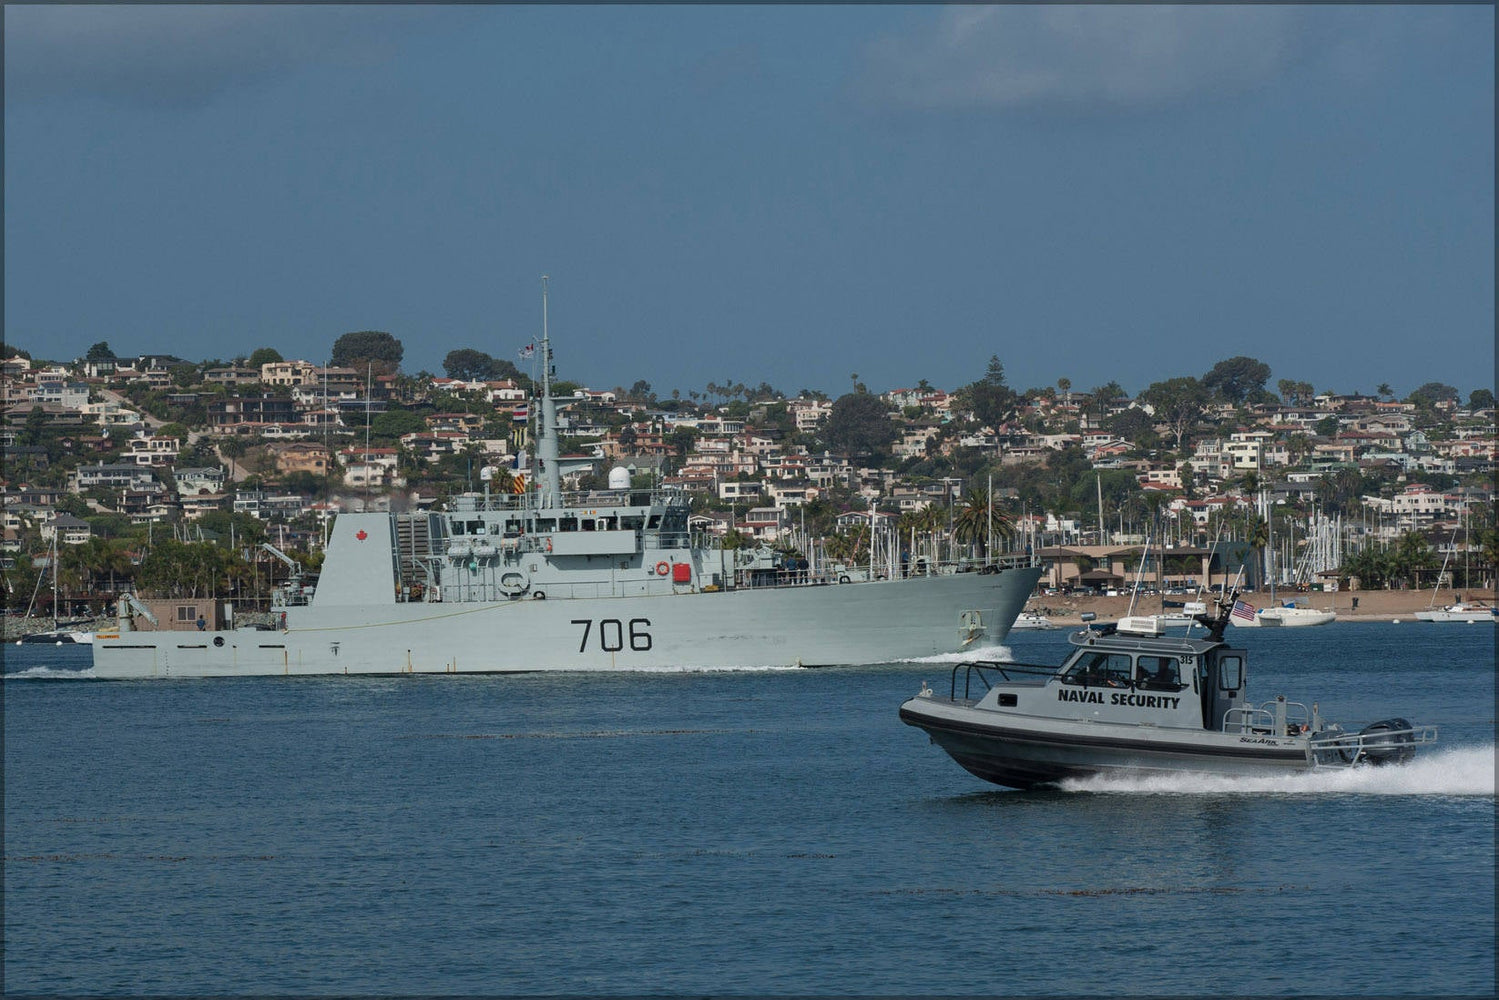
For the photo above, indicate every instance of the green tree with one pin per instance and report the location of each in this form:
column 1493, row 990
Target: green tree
column 1134, row 425
column 1481, row 399
column 1189, row 480
column 849, row 547
column 1295, row 393
column 1432, row 393
column 1412, row 558
column 231, row 448
column 469, row 364
column 100, row 352
column 394, row 423
column 1298, row 447
column 1370, row 564
column 369, row 347
column 1338, row 492
column 992, row 400
column 1178, row 403
column 1237, row 378
column 305, row 483
column 682, row 440
column 859, row 423
column 1117, row 485
column 264, row 356
column 978, row 519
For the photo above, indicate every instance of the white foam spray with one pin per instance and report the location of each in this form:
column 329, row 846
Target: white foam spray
column 1453, row 771
column 51, row 674
column 1000, row 653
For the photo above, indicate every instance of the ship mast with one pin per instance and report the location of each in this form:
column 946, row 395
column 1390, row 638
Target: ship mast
column 546, row 431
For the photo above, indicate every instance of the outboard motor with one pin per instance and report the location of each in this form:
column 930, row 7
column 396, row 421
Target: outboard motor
column 1389, row 741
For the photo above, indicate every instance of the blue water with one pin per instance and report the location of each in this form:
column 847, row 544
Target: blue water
column 766, row 832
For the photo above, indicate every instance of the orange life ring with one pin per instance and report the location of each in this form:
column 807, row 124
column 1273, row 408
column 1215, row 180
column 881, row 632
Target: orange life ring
column 663, row 567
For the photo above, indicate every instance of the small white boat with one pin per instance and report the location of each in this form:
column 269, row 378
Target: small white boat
column 1031, row 620
column 1291, row 616
column 1459, row 613
column 1186, row 616
column 1130, row 700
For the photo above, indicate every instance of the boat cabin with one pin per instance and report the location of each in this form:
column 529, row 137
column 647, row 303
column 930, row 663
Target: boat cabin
column 1180, row 683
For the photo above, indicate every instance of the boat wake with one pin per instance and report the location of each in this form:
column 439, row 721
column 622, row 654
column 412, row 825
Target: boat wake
column 50, row 674
column 1000, row 653
column 1467, row 771
column 694, row 669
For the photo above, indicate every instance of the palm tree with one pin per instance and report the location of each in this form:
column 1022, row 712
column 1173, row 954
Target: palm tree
column 921, row 523
column 231, row 448
column 977, row 520
column 1412, row 556
column 847, row 546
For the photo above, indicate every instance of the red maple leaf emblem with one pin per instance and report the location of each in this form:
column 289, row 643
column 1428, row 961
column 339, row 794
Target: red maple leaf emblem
column 361, row 535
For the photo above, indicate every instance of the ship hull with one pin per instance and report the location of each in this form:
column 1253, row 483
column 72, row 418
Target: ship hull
column 1020, row 752
column 856, row 623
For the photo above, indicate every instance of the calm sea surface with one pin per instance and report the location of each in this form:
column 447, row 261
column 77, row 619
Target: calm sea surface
column 761, row 832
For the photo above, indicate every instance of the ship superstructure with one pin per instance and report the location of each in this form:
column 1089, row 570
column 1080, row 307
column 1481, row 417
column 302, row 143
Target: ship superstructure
column 607, row 579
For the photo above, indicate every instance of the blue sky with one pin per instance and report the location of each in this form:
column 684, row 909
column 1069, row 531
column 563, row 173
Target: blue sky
column 784, row 194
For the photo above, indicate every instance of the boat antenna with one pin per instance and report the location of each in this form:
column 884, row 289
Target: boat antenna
column 1139, row 574
column 1225, row 601
column 546, row 432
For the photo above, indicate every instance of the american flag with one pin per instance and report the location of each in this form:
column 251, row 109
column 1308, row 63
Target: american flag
column 529, row 351
column 1242, row 611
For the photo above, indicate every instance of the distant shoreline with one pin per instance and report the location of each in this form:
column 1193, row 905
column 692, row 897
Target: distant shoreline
column 1373, row 605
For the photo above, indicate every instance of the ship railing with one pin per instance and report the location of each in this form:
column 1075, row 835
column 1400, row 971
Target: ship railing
column 1278, row 718
column 1341, row 749
column 980, row 676
column 470, row 502
column 667, row 540
column 946, row 567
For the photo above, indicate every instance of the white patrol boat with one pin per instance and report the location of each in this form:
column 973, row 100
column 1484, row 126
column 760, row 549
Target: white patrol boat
column 604, row 580
column 1130, row 700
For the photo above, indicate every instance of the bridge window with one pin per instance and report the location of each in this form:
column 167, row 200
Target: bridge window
column 1100, row 670
column 1231, row 673
column 1159, row 673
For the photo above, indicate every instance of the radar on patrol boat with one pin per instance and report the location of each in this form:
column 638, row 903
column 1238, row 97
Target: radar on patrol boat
column 619, row 478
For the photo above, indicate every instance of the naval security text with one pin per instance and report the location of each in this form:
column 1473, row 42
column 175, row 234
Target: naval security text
column 1119, row 698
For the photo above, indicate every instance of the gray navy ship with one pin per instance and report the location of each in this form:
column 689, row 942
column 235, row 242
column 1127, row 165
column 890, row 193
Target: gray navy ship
column 602, row 580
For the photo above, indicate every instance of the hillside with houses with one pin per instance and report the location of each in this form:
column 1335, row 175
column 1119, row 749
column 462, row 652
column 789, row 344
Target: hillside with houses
column 158, row 472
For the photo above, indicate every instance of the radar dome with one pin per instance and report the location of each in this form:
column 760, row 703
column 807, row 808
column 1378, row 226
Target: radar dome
column 619, row 478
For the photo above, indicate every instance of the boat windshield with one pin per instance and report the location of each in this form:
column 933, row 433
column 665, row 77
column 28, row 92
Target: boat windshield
column 1100, row 669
